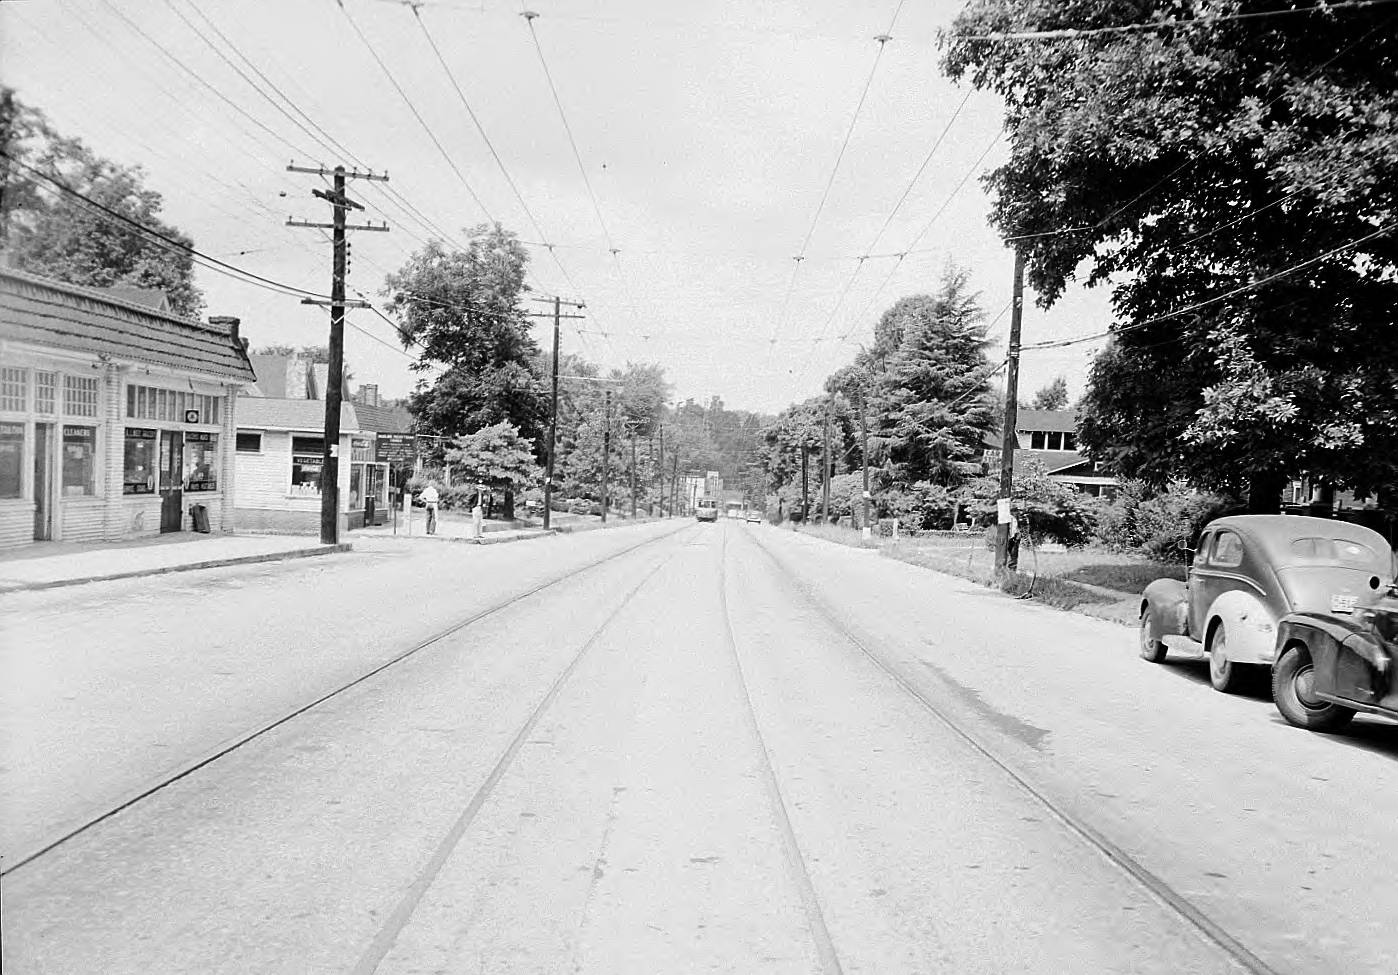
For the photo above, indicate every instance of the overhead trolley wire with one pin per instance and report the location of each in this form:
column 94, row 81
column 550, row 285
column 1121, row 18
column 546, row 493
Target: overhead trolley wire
column 485, row 137
column 328, row 142
column 413, row 108
column 922, row 233
column 859, row 264
column 882, row 40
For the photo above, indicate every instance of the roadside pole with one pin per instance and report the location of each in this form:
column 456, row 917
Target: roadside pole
column 1003, row 558
column 660, row 474
column 553, row 422
column 805, row 484
column 335, row 369
column 633, row 473
column 825, row 470
column 865, row 529
column 606, row 449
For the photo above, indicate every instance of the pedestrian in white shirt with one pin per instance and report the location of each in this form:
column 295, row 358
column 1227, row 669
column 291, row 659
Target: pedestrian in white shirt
column 430, row 500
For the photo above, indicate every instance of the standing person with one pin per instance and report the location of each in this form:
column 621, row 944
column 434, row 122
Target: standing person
column 430, row 501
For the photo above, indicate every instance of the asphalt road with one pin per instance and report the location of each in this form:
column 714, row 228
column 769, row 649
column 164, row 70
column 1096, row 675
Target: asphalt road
column 719, row 748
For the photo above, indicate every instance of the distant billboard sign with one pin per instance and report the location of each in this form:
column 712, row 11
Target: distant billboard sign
column 398, row 449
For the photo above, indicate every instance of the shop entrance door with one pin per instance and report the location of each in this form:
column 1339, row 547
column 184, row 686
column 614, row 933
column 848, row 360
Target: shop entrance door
column 171, row 480
column 43, row 482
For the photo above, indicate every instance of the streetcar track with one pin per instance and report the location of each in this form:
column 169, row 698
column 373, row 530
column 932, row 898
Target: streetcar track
column 257, row 733
column 401, row 915
column 1154, row 885
column 796, row 861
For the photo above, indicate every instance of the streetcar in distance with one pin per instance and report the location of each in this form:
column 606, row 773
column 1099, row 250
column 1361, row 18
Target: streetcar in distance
column 706, row 510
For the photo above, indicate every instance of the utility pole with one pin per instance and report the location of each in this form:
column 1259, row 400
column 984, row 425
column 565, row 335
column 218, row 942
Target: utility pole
column 805, row 484
column 334, row 381
column 660, row 475
column 675, row 483
column 558, row 315
column 606, row 450
column 866, row 531
column 825, row 469
column 633, row 473
column 1004, row 558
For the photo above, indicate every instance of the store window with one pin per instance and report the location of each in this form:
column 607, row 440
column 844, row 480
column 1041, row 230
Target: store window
column 356, row 491
column 79, row 396
column 79, row 461
column 307, row 458
column 171, row 405
column 11, row 459
column 138, row 475
column 14, row 389
column 46, row 393
column 249, row 443
column 201, row 461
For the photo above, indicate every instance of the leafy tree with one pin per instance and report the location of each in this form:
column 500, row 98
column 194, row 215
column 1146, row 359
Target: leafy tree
column 462, row 310
column 934, row 383
column 498, row 457
column 1054, row 396
column 1258, row 156
column 53, row 233
column 1045, row 509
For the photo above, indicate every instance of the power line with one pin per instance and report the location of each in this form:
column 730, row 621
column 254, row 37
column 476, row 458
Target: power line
column 1251, row 286
column 1077, row 33
column 328, row 142
column 164, row 240
column 922, row 233
column 882, row 40
column 859, row 265
column 413, row 108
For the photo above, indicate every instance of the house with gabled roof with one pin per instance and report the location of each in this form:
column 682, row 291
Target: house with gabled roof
column 116, row 415
column 1049, row 438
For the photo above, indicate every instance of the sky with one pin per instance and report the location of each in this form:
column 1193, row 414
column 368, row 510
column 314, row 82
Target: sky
column 708, row 134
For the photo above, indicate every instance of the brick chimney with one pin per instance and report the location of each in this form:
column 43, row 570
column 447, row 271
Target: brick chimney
column 227, row 322
column 369, row 394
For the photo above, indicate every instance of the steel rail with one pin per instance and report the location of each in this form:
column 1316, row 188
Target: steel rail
column 1150, row 881
column 251, row 736
column 397, row 919
column 791, row 846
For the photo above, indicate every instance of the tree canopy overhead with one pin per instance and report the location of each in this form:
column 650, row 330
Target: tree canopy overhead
column 52, row 233
column 1255, row 156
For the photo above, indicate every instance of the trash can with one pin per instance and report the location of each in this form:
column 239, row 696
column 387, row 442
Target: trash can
column 368, row 512
column 199, row 514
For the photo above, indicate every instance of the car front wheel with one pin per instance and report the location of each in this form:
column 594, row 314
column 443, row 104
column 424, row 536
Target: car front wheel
column 1293, row 690
column 1151, row 648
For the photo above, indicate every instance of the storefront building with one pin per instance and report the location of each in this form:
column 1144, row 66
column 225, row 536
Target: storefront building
column 115, row 417
column 280, row 451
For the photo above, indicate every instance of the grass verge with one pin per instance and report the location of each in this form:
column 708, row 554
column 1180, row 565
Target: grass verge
column 1091, row 580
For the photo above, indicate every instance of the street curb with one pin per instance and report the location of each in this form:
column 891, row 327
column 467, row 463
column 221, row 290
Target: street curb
column 297, row 553
column 529, row 534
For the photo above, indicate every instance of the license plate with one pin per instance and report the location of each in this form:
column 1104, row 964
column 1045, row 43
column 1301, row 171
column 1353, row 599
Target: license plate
column 1342, row 604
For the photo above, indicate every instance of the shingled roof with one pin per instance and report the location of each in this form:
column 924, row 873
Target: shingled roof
column 298, row 415
column 66, row 316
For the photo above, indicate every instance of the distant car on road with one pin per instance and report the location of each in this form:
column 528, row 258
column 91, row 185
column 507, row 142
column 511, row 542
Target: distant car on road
column 1249, row 572
column 706, row 510
column 754, row 517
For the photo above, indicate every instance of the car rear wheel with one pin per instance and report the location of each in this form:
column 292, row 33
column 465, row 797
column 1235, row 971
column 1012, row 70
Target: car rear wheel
column 1224, row 674
column 1151, row 648
column 1293, row 690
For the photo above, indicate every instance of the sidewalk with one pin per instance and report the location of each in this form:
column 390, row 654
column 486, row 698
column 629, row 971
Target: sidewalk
column 47, row 566
column 455, row 528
